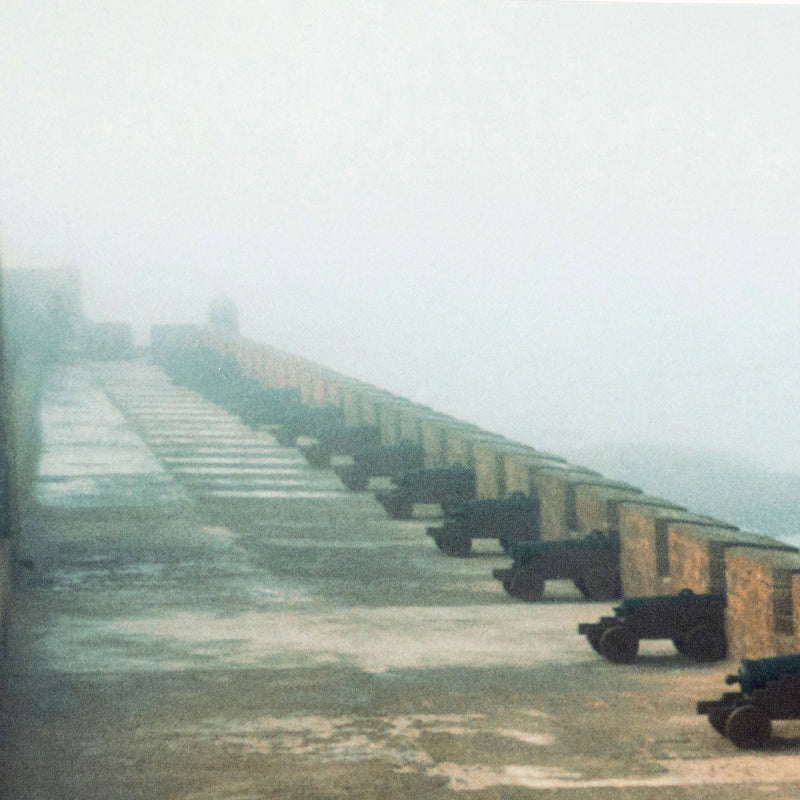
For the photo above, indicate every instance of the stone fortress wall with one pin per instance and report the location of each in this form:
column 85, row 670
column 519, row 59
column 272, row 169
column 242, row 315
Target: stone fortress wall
column 664, row 547
column 39, row 309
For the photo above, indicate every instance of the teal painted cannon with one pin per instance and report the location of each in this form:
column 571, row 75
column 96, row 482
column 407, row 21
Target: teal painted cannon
column 770, row 690
column 591, row 562
column 756, row 673
column 446, row 486
column 694, row 622
column 391, row 461
column 510, row 520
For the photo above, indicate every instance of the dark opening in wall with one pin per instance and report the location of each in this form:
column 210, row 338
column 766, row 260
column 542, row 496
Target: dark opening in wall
column 662, row 548
column 571, row 507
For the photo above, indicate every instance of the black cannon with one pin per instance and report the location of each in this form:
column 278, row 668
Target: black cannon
column 220, row 379
column 770, row 690
column 591, row 562
column 446, row 486
column 391, row 461
column 510, row 520
column 341, row 441
column 260, row 406
column 694, row 622
column 203, row 370
column 303, row 420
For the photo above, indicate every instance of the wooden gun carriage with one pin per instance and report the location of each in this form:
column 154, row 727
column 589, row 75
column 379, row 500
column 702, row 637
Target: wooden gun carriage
column 694, row 622
column 510, row 520
column 591, row 562
column 340, row 441
column 445, row 486
column 769, row 690
column 391, row 461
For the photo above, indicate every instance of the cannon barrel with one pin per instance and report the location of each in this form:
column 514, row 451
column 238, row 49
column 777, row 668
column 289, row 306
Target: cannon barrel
column 685, row 598
column 459, row 480
column 494, row 507
column 346, row 440
column 392, row 460
column 340, row 440
column 756, row 673
column 526, row 552
column 306, row 420
column 383, row 460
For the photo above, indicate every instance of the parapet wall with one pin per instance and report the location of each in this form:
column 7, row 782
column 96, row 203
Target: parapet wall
column 664, row 547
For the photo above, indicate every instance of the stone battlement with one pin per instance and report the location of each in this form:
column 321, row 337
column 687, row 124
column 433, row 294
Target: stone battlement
column 664, row 547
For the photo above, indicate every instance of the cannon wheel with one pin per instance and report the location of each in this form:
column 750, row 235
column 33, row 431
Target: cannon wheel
column 619, row 645
column 718, row 719
column 680, row 646
column 748, row 727
column 593, row 637
column 525, row 585
column 454, row 544
column 780, row 698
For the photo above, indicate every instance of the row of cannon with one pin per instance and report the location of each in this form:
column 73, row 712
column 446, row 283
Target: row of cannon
column 695, row 623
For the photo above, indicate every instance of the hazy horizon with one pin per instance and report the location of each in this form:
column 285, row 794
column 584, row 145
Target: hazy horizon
column 570, row 223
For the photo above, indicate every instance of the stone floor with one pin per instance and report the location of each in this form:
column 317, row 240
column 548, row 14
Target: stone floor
column 203, row 615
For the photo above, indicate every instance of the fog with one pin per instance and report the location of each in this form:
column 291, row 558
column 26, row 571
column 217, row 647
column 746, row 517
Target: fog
column 571, row 223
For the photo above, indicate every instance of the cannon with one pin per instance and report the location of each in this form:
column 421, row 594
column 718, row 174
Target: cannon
column 203, row 370
column 510, row 520
column 261, row 406
column 303, row 420
column 391, row 461
column 340, row 441
column 694, row 622
column 220, row 379
column 591, row 562
column 769, row 690
column 446, row 486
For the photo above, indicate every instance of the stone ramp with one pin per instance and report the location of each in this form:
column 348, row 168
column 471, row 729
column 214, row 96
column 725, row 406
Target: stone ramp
column 91, row 456
column 207, row 449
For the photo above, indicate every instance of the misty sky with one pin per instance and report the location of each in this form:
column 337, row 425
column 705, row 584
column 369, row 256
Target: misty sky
column 566, row 222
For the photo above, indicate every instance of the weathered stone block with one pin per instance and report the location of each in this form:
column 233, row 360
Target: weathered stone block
column 697, row 553
column 490, row 465
column 299, row 377
column 319, row 390
column 592, row 502
column 644, row 555
column 760, row 615
column 412, row 419
column 360, row 404
column 434, row 433
column 389, row 414
column 335, row 391
column 490, row 480
column 519, row 469
column 460, row 445
column 553, row 486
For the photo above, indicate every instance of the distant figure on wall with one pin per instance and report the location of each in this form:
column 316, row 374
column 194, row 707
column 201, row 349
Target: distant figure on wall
column 223, row 315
